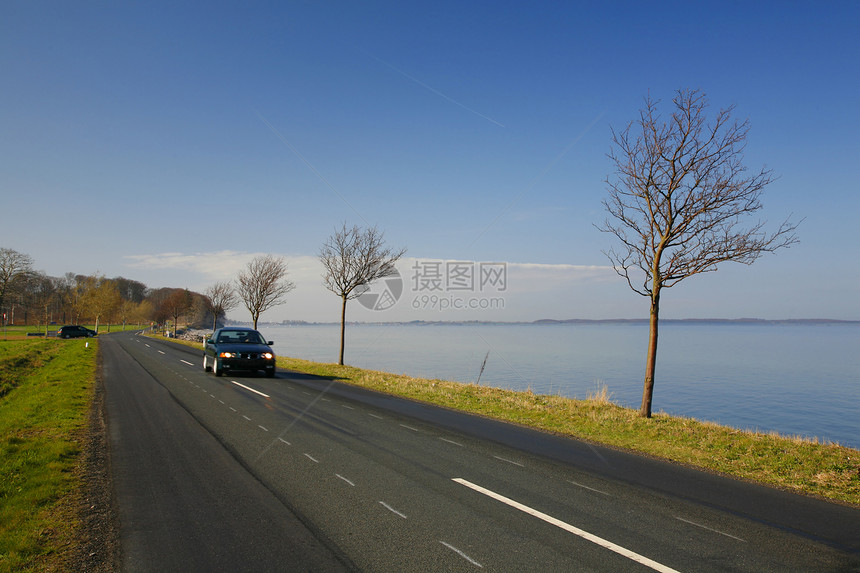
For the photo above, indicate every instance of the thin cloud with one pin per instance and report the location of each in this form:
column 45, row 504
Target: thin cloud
column 221, row 265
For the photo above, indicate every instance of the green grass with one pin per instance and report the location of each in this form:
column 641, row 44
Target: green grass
column 21, row 332
column 48, row 388
column 788, row 462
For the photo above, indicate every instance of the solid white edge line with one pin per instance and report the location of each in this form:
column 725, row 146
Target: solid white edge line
column 250, row 389
column 569, row 528
column 461, row 554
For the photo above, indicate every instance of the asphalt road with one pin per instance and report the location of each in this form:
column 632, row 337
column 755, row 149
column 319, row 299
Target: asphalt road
column 304, row 473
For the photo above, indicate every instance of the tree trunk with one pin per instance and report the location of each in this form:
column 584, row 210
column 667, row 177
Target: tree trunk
column 651, row 359
column 342, row 329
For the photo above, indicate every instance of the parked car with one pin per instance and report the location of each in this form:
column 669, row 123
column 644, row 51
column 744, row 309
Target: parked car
column 75, row 332
column 234, row 348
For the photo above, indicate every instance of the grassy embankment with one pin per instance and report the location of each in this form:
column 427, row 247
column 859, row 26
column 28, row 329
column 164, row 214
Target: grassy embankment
column 45, row 391
column 24, row 332
column 792, row 463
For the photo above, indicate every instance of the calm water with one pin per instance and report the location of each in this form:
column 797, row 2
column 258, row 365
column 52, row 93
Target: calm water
column 795, row 379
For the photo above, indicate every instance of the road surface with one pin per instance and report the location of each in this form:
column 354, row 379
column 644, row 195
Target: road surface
column 304, row 473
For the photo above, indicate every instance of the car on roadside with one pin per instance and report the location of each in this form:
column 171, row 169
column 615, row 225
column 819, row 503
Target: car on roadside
column 75, row 331
column 238, row 349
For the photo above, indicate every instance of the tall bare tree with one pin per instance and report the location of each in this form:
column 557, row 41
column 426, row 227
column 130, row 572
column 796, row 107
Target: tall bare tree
column 220, row 298
column 679, row 203
column 14, row 266
column 353, row 258
column 263, row 285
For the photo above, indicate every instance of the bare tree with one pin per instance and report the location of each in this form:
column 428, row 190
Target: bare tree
column 220, row 298
column 352, row 259
column 262, row 285
column 14, row 266
column 678, row 202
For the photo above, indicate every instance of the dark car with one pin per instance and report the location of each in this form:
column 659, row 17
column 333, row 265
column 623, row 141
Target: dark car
column 234, row 348
column 75, row 332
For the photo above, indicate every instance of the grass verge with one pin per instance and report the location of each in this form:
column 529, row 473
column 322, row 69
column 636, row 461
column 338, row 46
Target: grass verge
column 792, row 463
column 43, row 414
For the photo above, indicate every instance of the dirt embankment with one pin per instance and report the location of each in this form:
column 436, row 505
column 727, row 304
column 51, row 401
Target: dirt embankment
column 97, row 547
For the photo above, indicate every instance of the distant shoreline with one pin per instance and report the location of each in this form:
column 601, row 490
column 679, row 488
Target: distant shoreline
column 578, row 321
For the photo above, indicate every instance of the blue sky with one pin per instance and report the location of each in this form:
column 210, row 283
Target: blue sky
column 170, row 142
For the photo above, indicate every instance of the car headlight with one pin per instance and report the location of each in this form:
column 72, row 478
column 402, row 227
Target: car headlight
column 226, row 355
column 268, row 355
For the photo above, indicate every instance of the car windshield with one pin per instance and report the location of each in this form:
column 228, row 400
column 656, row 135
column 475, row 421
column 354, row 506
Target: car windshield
column 240, row 336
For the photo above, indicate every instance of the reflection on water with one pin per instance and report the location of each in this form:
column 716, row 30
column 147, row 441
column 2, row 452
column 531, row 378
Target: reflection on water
column 795, row 379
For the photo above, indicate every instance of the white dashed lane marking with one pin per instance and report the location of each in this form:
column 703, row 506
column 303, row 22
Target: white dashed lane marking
column 392, row 510
column 250, row 389
column 709, row 529
column 461, row 554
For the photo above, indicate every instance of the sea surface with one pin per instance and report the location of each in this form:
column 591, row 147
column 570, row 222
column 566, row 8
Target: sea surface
column 796, row 379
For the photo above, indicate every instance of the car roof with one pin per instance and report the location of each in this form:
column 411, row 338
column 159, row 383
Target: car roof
column 237, row 328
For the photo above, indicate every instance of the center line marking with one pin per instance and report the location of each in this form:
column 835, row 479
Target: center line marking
column 392, row 510
column 709, row 529
column 285, row 441
column 569, row 528
column 262, row 428
column 588, row 488
column 509, row 461
column 461, row 554
column 451, row 442
column 160, row 352
column 344, row 479
column 408, row 427
column 250, row 389
column 186, row 362
column 311, row 458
